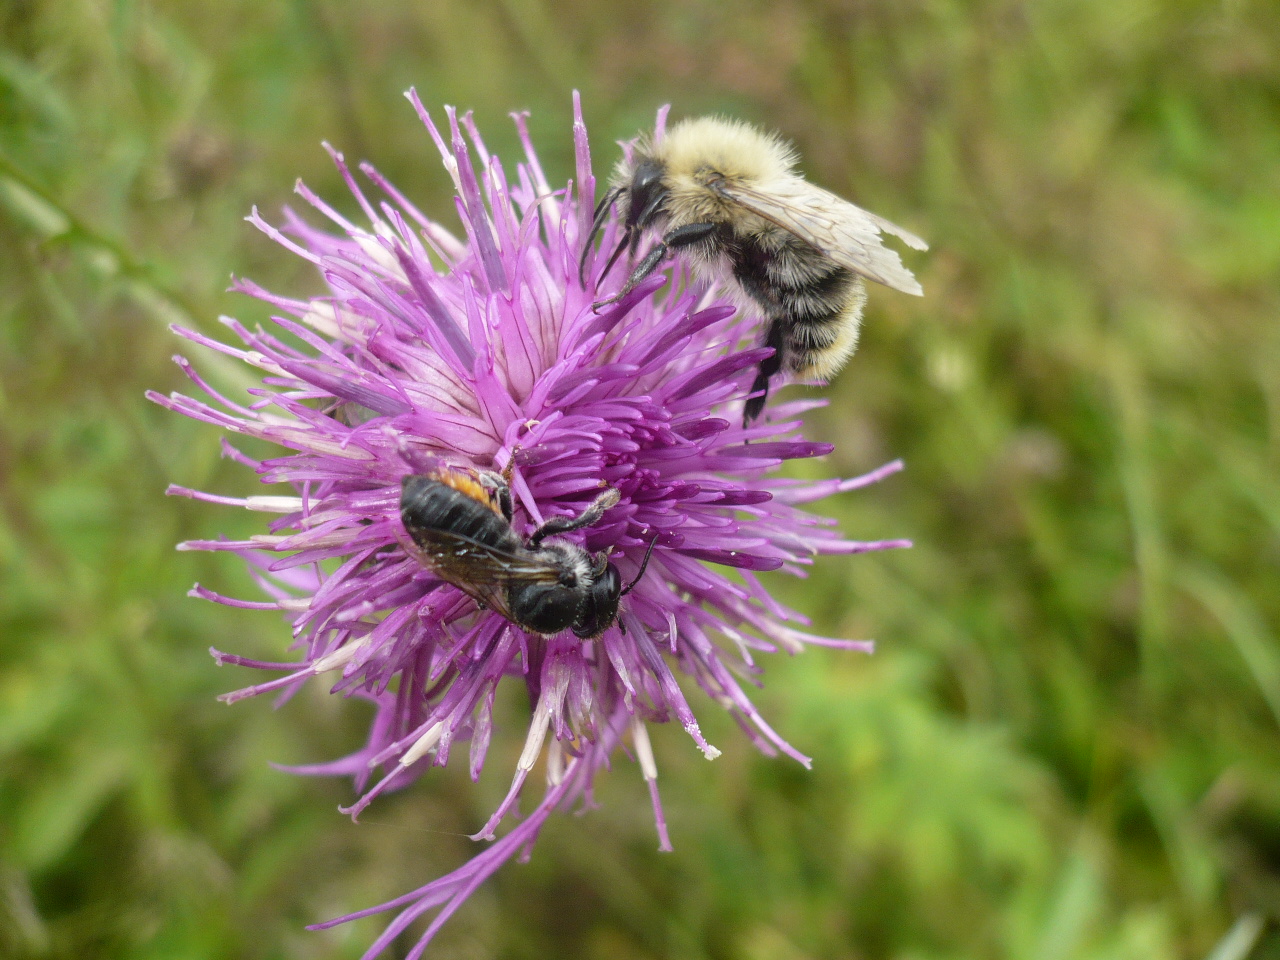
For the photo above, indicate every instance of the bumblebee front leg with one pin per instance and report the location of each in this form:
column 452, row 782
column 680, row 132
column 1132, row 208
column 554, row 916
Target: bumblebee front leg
column 586, row 518
column 679, row 237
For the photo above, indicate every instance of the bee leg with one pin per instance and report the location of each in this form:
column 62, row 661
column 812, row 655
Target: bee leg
column 689, row 233
column 505, row 503
column 642, row 270
column 679, row 237
column 509, row 470
column 498, row 486
column 586, row 518
column 768, row 367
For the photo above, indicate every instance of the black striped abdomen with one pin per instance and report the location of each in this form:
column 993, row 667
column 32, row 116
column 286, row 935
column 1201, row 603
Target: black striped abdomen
column 815, row 303
column 429, row 505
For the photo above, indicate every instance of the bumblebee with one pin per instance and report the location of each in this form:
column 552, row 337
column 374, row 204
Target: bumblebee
column 725, row 195
column 460, row 524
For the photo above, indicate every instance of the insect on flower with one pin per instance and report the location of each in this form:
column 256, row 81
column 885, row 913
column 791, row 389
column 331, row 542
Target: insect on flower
column 725, row 195
column 460, row 522
column 622, row 550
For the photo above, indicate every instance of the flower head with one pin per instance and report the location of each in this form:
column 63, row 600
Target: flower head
column 432, row 352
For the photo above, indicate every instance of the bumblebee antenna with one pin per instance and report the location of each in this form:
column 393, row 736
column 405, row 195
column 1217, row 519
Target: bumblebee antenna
column 601, row 211
column 617, row 252
column 644, row 563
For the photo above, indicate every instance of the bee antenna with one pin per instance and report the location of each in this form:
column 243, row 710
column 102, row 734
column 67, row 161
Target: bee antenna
column 606, row 201
column 601, row 211
column 644, row 563
column 617, row 252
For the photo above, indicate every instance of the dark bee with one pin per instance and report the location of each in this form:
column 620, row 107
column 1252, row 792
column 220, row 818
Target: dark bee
column 726, row 196
column 460, row 524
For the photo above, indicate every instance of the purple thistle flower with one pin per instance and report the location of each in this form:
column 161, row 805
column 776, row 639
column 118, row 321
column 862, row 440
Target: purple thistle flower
column 431, row 349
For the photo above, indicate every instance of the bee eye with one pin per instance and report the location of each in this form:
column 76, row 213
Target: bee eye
column 600, row 606
column 647, row 173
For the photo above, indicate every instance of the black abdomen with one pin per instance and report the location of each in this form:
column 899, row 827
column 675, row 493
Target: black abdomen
column 428, row 504
column 806, row 294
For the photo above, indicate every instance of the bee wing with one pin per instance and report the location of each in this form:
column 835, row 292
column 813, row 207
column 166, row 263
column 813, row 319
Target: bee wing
column 477, row 569
column 843, row 231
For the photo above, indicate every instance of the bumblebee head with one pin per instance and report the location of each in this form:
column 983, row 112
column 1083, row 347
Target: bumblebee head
column 646, row 195
column 643, row 194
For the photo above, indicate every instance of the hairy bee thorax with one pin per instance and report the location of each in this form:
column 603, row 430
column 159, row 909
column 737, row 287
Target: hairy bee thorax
column 729, row 148
column 574, row 565
column 689, row 162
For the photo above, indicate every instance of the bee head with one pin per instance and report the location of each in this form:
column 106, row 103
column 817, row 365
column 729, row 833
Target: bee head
column 643, row 195
column 646, row 195
column 600, row 605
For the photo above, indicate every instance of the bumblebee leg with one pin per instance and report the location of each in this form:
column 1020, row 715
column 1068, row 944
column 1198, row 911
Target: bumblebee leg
column 642, row 270
column 689, row 233
column 679, row 237
column 768, row 367
column 586, row 518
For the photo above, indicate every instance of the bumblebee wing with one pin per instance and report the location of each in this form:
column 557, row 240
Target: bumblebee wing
column 843, row 231
column 481, row 571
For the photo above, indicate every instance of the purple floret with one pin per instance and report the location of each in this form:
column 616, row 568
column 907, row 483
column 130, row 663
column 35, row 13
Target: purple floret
column 430, row 348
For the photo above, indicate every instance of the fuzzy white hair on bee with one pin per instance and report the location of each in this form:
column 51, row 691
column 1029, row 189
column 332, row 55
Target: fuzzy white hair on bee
column 724, row 195
column 735, row 148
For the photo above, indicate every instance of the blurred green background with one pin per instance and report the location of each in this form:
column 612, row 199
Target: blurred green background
column 1067, row 745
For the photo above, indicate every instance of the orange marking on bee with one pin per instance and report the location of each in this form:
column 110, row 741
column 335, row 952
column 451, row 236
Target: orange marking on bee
column 466, row 483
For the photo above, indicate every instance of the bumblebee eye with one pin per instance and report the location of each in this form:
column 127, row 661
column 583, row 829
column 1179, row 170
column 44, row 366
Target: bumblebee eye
column 648, row 172
column 647, row 197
